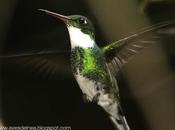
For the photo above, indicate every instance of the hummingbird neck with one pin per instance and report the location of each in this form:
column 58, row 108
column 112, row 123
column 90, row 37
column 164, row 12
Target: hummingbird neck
column 79, row 38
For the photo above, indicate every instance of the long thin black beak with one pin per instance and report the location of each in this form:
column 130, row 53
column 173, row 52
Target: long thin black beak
column 58, row 16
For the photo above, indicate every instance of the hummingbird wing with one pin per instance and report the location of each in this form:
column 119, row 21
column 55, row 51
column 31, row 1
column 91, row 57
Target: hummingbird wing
column 42, row 63
column 120, row 52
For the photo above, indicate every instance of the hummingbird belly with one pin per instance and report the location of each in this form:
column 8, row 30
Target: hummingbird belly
column 88, row 87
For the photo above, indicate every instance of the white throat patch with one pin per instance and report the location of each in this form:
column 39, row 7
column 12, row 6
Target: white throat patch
column 79, row 39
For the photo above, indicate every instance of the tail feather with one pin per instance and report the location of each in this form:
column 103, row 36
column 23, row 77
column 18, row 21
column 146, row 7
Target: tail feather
column 120, row 124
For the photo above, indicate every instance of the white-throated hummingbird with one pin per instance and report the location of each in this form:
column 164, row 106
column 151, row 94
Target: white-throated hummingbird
column 95, row 68
column 90, row 68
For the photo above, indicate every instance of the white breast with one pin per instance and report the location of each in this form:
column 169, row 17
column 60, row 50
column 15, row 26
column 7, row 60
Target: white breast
column 87, row 86
column 79, row 39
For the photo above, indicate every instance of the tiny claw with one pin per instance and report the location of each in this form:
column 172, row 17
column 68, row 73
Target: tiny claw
column 96, row 98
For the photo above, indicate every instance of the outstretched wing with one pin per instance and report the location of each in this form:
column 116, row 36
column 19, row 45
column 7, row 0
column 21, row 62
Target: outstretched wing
column 120, row 52
column 45, row 63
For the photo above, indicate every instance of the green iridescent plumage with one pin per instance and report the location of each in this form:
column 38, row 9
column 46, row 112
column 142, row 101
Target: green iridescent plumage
column 90, row 63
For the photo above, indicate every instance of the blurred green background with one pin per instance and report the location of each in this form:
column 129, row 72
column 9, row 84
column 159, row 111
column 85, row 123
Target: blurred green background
column 35, row 95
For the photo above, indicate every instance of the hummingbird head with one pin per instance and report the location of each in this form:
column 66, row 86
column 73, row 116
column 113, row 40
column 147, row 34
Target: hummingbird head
column 80, row 29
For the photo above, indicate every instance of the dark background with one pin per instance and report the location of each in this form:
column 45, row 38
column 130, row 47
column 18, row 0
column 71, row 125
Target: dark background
column 36, row 95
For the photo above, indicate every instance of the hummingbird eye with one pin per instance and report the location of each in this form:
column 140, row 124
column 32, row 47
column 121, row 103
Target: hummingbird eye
column 82, row 20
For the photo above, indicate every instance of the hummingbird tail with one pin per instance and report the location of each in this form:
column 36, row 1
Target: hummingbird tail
column 120, row 124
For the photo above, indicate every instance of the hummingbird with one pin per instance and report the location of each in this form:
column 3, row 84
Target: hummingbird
column 95, row 68
column 90, row 69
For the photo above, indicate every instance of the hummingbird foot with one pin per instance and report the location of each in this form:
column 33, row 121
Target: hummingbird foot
column 95, row 99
